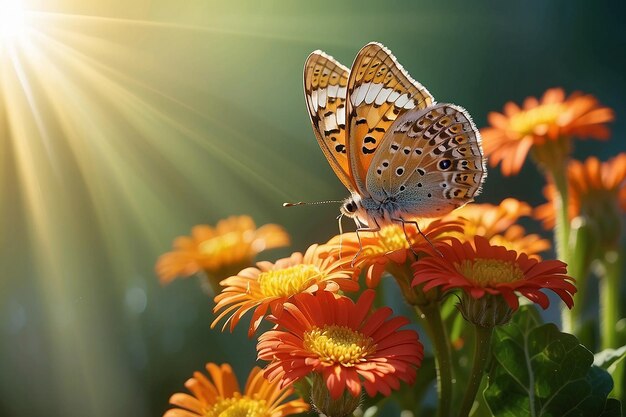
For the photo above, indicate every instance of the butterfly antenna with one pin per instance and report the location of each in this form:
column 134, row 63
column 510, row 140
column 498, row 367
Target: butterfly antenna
column 303, row 203
column 339, row 218
column 356, row 255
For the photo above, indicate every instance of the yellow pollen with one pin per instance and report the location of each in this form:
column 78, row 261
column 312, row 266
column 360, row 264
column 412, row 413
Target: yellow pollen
column 525, row 121
column 392, row 238
column 487, row 272
column 220, row 244
column 339, row 344
column 238, row 407
column 289, row 281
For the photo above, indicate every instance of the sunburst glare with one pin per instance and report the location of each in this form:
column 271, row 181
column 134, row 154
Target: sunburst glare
column 12, row 19
column 100, row 139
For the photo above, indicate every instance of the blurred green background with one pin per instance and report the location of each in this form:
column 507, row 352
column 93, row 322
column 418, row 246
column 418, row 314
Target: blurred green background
column 125, row 123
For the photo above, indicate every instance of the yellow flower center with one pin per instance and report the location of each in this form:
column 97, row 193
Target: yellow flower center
column 392, row 238
column 487, row 272
column 238, row 407
column 526, row 121
column 289, row 281
column 339, row 344
column 220, row 244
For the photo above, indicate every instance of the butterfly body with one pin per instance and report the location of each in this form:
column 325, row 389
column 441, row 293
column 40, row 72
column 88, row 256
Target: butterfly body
column 369, row 211
column 399, row 153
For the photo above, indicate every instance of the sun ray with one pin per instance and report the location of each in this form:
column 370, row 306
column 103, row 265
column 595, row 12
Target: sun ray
column 39, row 174
column 100, row 75
column 101, row 154
column 53, row 16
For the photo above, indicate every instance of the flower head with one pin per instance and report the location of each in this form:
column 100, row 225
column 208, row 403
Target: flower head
column 220, row 251
column 482, row 268
column 497, row 224
column 270, row 284
column 595, row 189
column 220, row 396
column 389, row 245
column 548, row 123
column 339, row 339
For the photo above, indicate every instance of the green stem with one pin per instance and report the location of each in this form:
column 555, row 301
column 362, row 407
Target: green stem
column 481, row 355
column 562, row 231
column 443, row 358
column 561, row 205
column 609, row 298
column 581, row 254
column 209, row 284
column 428, row 309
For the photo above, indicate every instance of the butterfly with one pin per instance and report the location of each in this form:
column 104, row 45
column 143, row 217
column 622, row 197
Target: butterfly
column 399, row 153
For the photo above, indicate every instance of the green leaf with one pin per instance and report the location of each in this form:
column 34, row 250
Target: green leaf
column 539, row 371
column 613, row 361
column 608, row 357
column 613, row 408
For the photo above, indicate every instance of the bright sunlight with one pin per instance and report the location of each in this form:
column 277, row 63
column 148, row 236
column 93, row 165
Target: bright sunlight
column 11, row 20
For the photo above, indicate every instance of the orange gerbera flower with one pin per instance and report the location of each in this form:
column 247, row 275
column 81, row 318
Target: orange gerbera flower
column 483, row 268
column 497, row 224
column 591, row 184
column 375, row 250
column 548, row 123
column 515, row 238
column 595, row 189
column 270, row 284
column 220, row 396
column 220, row 251
column 340, row 340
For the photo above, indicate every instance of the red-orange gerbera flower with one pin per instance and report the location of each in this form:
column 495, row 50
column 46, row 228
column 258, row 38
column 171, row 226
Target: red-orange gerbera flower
column 220, row 251
column 497, row 224
column 556, row 118
column 220, row 396
column 376, row 249
column 340, row 340
column 482, row 269
column 596, row 190
column 270, row 284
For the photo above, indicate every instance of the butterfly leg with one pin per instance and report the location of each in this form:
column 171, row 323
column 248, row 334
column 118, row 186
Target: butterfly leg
column 360, row 228
column 404, row 222
column 406, row 236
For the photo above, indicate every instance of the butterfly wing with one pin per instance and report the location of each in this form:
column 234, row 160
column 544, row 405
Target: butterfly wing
column 325, row 85
column 431, row 161
column 379, row 90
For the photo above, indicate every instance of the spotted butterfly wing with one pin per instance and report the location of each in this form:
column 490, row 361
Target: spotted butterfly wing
column 379, row 91
column 325, row 85
column 430, row 161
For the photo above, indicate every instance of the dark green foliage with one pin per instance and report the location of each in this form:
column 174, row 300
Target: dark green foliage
column 539, row 371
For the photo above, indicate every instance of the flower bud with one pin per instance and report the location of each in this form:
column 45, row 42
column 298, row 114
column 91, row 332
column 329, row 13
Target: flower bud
column 320, row 397
column 486, row 311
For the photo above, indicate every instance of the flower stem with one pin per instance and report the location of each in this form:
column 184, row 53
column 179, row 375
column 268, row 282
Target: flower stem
column 481, row 355
column 443, row 358
column 562, row 213
column 609, row 298
column 562, row 233
column 581, row 254
column 429, row 310
column 209, row 284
